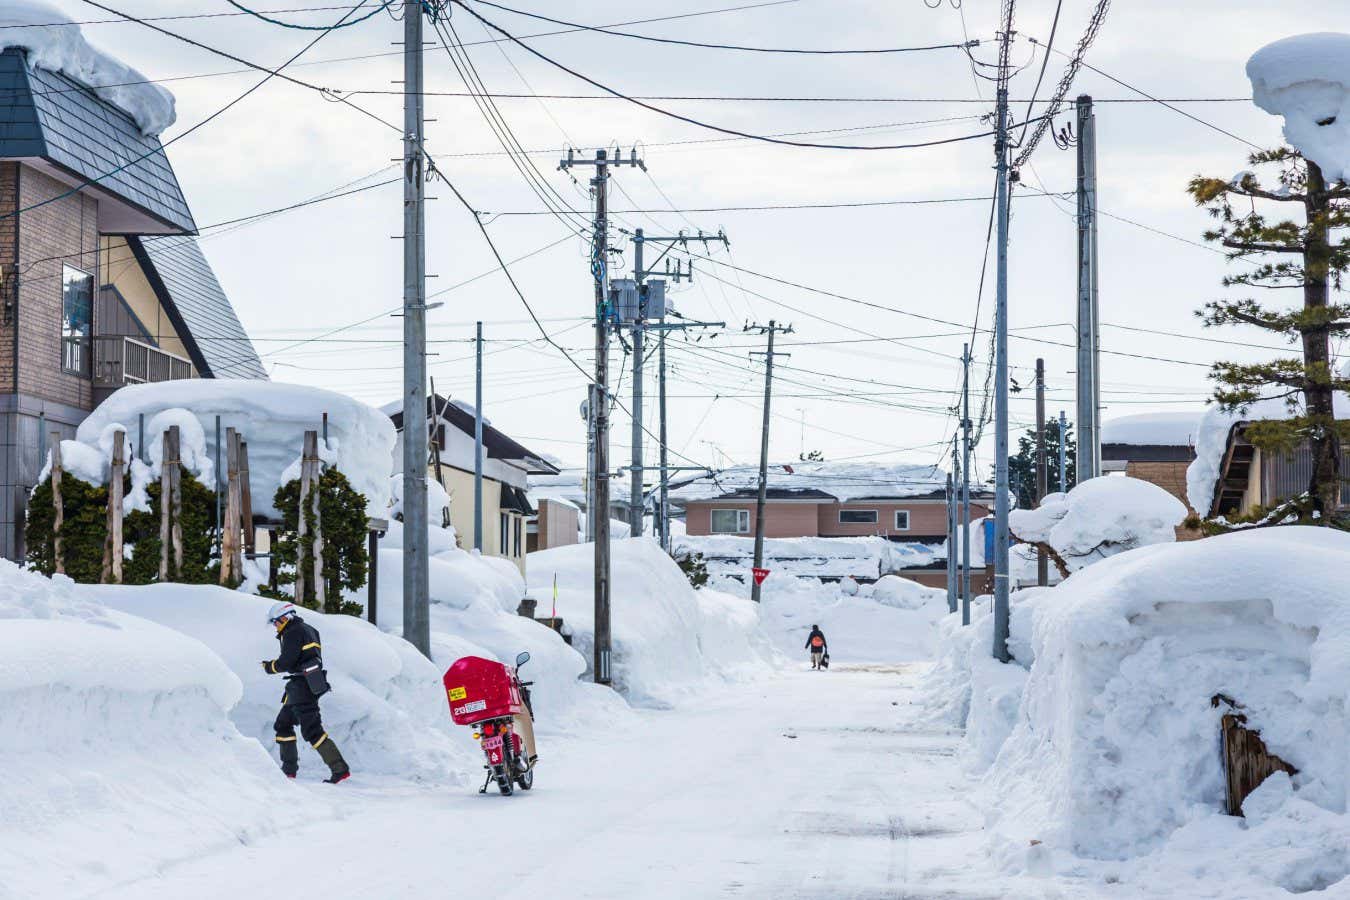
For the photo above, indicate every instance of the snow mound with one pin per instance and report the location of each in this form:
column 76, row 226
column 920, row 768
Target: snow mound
column 666, row 636
column 1115, row 745
column 892, row 590
column 387, row 707
column 55, row 44
column 1099, row 518
column 115, row 725
column 271, row 418
column 1306, row 79
column 1167, row 429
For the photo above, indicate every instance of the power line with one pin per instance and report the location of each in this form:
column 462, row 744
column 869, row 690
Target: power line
column 258, row 14
column 860, row 204
column 711, row 46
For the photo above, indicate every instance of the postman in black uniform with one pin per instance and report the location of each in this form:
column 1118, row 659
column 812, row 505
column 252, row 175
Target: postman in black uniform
column 301, row 661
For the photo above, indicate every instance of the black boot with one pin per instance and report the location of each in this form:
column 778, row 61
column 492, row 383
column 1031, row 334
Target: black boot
column 290, row 756
column 328, row 752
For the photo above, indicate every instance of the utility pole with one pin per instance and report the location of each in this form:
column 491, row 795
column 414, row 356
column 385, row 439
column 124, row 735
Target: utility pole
column 653, row 294
column 478, row 443
column 1089, row 338
column 965, row 484
column 1063, row 453
column 952, row 572
column 771, row 329
column 416, row 611
column 1001, row 506
column 1042, row 476
column 598, row 514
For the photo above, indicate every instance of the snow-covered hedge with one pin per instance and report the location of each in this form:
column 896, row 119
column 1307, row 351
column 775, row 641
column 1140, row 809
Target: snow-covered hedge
column 1100, row 518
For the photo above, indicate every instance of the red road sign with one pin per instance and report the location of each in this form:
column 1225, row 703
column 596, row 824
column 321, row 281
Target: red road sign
column 760, row 575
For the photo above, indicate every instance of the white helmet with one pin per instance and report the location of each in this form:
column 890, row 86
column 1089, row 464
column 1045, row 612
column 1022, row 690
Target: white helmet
column 280, row 611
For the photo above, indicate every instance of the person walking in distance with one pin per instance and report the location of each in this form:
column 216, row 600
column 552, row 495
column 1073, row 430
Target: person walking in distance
column 815, row 642
column 301, row 661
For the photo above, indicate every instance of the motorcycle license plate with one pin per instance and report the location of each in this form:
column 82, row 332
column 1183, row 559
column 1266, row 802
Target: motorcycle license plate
column 492, row 743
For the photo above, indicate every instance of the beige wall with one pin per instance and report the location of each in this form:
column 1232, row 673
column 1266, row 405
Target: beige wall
column 123, row 271
column 803, row 519
column 459, row 484
column 781, row 519
column 556, row 525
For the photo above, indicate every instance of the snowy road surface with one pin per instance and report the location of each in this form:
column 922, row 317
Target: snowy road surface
column 804, row 785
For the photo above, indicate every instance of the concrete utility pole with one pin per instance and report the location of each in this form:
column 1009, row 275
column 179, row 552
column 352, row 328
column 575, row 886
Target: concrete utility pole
column 598, row 514
column 478, row 442
column 1001, row 506
column 652, row 294
column 1042, row 476
column 771, row 329
column 1089, row 337
column 965, row 484
column 953, row 573
column 416, row 611
column 1063, row 453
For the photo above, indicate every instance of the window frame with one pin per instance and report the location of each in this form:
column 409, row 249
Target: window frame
column 876, row 516
column 898, row 514
column 83, row 345
column 742, row 520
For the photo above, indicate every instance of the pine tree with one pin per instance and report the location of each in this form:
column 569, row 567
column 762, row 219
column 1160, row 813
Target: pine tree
column 1285, row 255
column 1022, row 467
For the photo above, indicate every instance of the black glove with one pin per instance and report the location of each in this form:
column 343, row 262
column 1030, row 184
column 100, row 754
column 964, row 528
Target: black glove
column 267, row 666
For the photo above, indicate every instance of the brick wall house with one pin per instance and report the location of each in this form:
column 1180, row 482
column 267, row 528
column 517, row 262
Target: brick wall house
column 1153, row 447
column 101, row 281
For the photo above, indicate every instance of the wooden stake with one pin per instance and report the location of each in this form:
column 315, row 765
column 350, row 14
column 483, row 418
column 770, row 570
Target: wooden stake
column 112, row 551
column 229, row 532
column 316, row 494
column 176, row 500
column 58, row 553
column 302, row 525
column 165, row 510
column 246, row 502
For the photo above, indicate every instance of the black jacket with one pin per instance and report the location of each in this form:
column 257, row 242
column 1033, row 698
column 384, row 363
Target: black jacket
column 824, row 644
column 299, row 646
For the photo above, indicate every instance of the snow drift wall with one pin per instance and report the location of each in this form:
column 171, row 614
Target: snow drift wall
column 1116, row 743
column 271, row 417
column 1306, row 79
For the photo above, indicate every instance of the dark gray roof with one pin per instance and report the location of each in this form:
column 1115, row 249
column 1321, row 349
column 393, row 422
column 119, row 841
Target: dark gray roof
column 46, row 115
column 496, row 443
column 198, row 307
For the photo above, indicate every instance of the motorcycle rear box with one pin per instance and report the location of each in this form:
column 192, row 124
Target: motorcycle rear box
column 480, row 689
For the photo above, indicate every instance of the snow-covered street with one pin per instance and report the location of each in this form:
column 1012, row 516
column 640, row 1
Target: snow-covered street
column 800, row 785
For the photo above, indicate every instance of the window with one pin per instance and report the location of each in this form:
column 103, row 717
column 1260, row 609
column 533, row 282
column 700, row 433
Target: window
column 503, row 533
column 857, row 517
column 518, row 523
column 730, row 521
column 77, row 320
column 902, row 520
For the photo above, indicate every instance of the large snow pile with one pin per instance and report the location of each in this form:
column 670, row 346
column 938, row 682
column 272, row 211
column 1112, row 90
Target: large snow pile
column 666, row 635
column 271, row 418
column 1115, row 749
column 1166, row 429
column 54, row 44
column 843, row 481
column 387, row 711
column 1099, row 518
column 1306, row 79
column 892, row 621
column 813, row 557
column 113, row 725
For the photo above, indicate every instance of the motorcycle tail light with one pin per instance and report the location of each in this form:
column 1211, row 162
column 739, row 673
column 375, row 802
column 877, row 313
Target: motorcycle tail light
column 489, row 729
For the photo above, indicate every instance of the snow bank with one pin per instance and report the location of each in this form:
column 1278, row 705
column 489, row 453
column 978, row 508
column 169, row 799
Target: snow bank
column 271, row 417
column 889, row 622
column 1306, row 79
column 1167, row 429
column 843, row 481
column 1099, row 518
column 37, row 27
column 387, row 707
column 113, row 726
column 1115, row 747
column 666, row 636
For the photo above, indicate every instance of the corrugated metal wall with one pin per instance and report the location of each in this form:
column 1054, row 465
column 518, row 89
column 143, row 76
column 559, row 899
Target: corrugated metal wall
column 1284, row 476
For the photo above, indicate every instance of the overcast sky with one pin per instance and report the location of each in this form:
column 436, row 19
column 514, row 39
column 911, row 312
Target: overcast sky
column 300, row 275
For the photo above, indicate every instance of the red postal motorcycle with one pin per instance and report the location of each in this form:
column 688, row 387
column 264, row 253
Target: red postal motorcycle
column 490, row 697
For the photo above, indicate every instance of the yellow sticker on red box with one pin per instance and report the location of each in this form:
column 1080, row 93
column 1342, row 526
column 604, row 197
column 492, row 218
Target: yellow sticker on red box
column 458, row 693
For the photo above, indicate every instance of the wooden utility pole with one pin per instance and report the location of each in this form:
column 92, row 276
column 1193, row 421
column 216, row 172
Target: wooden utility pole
column 1042, row 476
column 58, row 552
column 771, row 329
column 112, row 546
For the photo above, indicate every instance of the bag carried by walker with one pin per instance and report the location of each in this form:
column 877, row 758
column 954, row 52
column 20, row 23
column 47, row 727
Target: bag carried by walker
column 316, row 677
column 825, row 661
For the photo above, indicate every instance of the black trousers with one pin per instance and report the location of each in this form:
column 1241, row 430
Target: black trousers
column 300, row 707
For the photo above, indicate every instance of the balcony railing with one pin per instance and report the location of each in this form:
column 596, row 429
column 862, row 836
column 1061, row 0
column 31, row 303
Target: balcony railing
column 122, row 360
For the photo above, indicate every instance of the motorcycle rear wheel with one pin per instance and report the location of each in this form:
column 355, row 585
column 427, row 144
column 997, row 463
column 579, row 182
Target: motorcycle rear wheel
column 526, row 779
column 503, row 780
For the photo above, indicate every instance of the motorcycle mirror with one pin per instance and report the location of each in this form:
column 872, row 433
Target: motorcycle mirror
column 522, row 658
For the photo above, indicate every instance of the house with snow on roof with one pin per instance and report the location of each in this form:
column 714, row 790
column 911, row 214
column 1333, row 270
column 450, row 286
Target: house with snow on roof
column 905, row 505
column 1153, row 447
column 102, row 282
